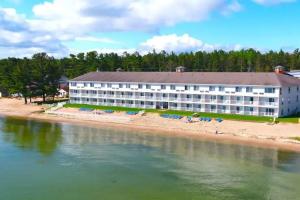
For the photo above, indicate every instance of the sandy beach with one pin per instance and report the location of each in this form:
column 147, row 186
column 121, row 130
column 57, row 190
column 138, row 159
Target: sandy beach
column 258, row 134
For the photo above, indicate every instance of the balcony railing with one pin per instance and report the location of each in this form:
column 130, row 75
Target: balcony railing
column 265, row 103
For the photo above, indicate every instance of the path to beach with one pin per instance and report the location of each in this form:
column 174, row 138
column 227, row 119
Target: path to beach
column 262, row 134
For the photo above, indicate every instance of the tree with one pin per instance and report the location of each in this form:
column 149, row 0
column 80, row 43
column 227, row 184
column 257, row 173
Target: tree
column 46, row 74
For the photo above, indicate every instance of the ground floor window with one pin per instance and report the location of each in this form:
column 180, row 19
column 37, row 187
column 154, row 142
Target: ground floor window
column 270, row 110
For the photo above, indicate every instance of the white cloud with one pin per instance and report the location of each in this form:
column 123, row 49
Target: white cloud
column 17, row 39
column 235, row 6
column 57, row 21
column 124, row 15
column 182, row 43
column 169, row 43
column 273, row 2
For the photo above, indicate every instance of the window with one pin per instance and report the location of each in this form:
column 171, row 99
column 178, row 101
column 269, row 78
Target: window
column 109, row 85
column 271, row 100
column 148, row 86
column 127, row 85
column 186, row 87
column 172, row 87
column 213, row 107
column 102, row 85
column 270, row 111
column 269, row 90
column 94, row 92
column 213, row 97
column 297, row 88
column 289, row 90
column 249, row 89
column 91, row 84
column 249, row 109
column 196, row 88
column 73, row 84
column 140, row 86
column 163, row 87
column 198, row 96
column 238, row 89
column 120, row 85
column 165, row 95
column 188, row 96
column 212, row 88
column 221, row 89
column 85, row 84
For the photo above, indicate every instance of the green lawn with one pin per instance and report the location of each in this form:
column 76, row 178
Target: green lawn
column 292, row 119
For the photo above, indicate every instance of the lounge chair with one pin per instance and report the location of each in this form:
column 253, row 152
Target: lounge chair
column 219, row 120
column 132, row 113
column 109, row 111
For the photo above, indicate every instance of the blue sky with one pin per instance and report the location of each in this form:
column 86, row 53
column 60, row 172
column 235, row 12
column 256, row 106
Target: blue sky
column 61, row 27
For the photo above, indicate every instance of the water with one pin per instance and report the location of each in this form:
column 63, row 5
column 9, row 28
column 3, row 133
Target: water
column 51, row 161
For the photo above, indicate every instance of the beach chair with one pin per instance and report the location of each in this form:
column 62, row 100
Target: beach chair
column 109, row 111
column 219, row 120
column 132, row 113
column 189, row 119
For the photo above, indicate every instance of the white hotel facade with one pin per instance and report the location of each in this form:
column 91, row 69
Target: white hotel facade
column 259, row 94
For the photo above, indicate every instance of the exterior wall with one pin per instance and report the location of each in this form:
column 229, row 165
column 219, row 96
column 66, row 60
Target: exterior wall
column 290, row 101
column 244, row 100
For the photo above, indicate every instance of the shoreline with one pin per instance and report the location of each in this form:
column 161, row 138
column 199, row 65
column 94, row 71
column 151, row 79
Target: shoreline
column 221, row 138
column 175, row 128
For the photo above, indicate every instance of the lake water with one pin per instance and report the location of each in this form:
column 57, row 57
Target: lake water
column 48, row 161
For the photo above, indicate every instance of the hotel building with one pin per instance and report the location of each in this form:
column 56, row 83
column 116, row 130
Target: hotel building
column 245, row 93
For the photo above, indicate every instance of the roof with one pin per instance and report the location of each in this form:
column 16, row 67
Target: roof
column 221, row 78
column 295, row 73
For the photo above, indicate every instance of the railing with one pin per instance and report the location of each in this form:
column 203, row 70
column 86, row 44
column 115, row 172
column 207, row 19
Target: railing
column 264, row 103
column 269, row 114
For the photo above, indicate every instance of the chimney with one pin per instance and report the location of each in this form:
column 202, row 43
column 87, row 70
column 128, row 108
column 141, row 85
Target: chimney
column 119, row 70
column 279, row 70
column 180, row 69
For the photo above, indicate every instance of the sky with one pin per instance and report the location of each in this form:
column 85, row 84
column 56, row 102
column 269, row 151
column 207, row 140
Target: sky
column 63, row 27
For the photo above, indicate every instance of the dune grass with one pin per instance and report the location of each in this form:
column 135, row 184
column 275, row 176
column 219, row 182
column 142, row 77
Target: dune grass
column 291, row 119
column 295, row 138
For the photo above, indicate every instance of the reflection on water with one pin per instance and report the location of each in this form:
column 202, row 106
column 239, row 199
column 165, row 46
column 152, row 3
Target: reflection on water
column 188, row 148
column 31, row 135
column 90, row 163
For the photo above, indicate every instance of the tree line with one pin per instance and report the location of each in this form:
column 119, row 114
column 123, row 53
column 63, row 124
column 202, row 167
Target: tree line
column 39, row 75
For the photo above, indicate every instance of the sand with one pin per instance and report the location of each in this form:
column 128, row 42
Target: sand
column 276, row 136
